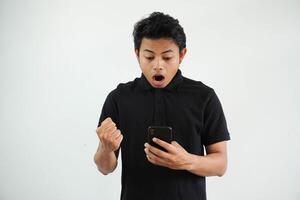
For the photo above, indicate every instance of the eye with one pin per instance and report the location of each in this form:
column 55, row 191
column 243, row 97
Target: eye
column 167, row 58
column 149, row 58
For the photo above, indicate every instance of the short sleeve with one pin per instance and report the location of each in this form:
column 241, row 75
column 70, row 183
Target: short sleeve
column 110, row 109
column 215, row 126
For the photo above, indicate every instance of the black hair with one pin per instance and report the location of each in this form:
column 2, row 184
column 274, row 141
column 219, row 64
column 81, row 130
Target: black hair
column 159, row 25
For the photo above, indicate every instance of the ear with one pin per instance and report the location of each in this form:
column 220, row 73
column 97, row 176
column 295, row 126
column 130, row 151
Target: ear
column 182, row 54
column 137, row 54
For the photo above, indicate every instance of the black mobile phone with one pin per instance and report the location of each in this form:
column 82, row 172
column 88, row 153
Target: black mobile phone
column 161, row 132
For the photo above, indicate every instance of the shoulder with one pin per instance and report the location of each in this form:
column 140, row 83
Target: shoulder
column 128, row 85
column 123, row 88
column 196, row 87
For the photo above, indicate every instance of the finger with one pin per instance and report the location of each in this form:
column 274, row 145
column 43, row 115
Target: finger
column 108, row 125
column 108, row 119
column 175, row 144
column 112, row 138
column 104, row 133
column 118, row 135
column 105, row 126
column 156, row 151
column 108, row 133
column 164, row 144
column 156, row 160
column 110, row 130
column 115, row 134
column 119, row 139
column 105, row 121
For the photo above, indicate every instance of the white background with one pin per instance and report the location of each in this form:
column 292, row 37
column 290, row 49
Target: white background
column 59, row 59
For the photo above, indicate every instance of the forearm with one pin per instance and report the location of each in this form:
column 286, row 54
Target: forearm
column 106, row 161
column 213, row 164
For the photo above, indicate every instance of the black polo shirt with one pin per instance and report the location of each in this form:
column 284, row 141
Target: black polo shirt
column 195, row 114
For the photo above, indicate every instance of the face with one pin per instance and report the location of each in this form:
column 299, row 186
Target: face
column 159, row 60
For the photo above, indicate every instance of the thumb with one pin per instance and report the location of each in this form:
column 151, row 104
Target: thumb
column 119, row 139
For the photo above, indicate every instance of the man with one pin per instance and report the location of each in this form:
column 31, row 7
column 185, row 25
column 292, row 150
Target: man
column 162, row 96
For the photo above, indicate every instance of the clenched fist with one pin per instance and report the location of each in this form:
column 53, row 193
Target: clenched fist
column 109, row 135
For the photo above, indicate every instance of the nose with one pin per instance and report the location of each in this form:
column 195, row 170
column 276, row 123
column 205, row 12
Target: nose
column 157, row 65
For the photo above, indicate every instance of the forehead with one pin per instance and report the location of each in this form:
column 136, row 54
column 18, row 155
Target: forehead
column 158, row 45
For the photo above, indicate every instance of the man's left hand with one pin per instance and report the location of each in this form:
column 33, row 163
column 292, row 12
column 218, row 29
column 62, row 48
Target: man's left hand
column 176, row 156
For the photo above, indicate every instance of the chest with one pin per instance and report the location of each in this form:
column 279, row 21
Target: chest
column 182, row 112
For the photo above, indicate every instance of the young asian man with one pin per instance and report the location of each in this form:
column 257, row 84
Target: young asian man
column 162, row 96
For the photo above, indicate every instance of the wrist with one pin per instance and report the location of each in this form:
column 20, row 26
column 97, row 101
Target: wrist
column 105, row 150
column 190, row 163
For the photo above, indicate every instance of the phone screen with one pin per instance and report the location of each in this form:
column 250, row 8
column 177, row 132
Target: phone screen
column 161, row 132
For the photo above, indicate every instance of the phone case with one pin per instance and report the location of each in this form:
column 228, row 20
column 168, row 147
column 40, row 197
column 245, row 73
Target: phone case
column 161, row 132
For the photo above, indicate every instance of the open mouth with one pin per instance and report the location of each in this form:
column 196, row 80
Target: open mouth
column 158, row 77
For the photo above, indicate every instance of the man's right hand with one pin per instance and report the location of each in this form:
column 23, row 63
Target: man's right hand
column 109, row 135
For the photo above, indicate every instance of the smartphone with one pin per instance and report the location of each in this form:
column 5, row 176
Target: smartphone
column 161, row 132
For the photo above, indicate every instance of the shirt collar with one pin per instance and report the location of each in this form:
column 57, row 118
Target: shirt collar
column 177, row 79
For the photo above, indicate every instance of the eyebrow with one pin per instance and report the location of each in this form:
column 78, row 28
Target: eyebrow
column 170, row 50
